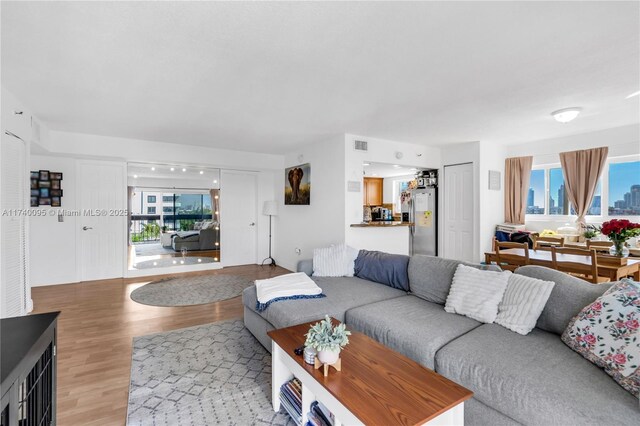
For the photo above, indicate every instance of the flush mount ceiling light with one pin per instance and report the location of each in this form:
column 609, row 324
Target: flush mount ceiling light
column 633, row 94
column 566, row 115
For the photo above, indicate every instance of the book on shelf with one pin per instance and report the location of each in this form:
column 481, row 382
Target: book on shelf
column 291, row 399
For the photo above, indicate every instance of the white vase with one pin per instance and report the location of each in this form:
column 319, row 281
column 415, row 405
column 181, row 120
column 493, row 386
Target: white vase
column 329, row 356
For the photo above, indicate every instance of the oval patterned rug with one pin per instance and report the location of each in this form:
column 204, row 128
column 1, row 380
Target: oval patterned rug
column 190, row 290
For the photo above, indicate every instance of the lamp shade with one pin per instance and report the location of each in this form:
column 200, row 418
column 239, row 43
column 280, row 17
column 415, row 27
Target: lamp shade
column 270, row 208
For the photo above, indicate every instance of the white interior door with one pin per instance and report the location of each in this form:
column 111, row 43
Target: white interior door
column 238, row 217
column 458, row 220
column 102, row 203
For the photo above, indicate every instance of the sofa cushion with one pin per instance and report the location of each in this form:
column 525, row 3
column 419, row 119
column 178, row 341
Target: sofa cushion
column 383, row 268
column 568, row 297
column 412, row 326
column 342, row 294
column 430, row 277
column 535, row 379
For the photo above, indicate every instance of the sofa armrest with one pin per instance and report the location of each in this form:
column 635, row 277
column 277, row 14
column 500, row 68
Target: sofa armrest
column 305, row 266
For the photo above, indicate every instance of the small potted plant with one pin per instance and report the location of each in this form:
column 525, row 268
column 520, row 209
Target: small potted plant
column 164, row 229
column 619, row 231
column 327, row 340
column 590, row 231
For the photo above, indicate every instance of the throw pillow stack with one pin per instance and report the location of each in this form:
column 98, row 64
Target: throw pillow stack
column 334, row 261
column 513, row 301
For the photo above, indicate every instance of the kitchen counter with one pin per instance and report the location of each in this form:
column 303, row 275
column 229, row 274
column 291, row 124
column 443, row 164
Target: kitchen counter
column 381, row 224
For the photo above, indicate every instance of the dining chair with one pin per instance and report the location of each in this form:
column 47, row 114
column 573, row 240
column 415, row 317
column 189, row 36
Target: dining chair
column 599, row 246
column 511, row 261
column 545, row 243
column 585, row 267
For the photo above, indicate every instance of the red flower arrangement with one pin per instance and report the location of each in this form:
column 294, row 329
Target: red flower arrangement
column 619, row 231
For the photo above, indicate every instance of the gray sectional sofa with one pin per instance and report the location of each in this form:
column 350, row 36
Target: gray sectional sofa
column 204, row 239
column 534, row 379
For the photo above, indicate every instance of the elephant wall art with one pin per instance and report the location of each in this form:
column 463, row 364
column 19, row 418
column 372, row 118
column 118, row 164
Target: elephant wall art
column 297, row 185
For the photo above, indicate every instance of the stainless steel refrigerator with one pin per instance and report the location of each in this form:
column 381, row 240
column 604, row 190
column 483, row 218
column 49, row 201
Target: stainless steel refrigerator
column 422, row 207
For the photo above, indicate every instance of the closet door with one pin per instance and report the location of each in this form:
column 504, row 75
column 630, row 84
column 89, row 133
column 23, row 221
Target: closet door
column 14, row 289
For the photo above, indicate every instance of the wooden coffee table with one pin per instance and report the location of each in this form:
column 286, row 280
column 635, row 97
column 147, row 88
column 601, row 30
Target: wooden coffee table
column 377, row 386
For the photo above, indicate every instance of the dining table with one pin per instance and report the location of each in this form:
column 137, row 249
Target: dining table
column 613, row 271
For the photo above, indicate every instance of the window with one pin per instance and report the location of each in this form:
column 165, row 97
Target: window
column 151, row 210
column 151, row 199
column 399, row 186
column 167, row 198
column 617, row 193
column 558, row 203
column 624, row 189
column 167, row 209
column 596, row 204
column 535, row 196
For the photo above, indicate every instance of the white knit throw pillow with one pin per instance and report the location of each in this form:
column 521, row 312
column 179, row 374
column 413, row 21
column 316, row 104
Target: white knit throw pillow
column 334, row 261
column 476, row 294
column 523, row 302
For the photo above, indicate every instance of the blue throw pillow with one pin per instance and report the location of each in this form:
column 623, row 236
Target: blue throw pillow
column 383, row 268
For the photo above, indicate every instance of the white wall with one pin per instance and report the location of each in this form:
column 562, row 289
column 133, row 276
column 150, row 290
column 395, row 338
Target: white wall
column 321, row 223
column 621, row 141
column 136, row 150
column 52, row 243
column 491, row 202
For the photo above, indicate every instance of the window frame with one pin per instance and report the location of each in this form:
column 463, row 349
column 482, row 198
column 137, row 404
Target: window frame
column 604, row 195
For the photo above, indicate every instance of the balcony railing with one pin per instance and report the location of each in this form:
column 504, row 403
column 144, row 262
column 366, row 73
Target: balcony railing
column 148, row 227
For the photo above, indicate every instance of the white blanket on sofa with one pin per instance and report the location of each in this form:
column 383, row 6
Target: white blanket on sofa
column 289, row 285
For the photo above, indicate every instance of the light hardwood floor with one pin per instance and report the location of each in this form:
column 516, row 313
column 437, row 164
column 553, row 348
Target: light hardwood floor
column 96, row 327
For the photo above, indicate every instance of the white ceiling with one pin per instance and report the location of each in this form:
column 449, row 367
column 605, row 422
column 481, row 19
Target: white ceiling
column 265, row 76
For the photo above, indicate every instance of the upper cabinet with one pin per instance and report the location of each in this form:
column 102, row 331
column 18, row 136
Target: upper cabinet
column 372, row 193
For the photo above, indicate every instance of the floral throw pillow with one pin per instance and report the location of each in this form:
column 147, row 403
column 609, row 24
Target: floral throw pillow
column 607, row 333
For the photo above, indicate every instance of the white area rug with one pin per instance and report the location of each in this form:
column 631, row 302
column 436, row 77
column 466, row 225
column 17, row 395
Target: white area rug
column 210, row 374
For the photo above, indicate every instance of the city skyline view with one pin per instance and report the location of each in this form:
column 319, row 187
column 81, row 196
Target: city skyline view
column 623, row 191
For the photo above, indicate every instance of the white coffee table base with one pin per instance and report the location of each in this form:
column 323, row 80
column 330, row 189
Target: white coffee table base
column 284, row 368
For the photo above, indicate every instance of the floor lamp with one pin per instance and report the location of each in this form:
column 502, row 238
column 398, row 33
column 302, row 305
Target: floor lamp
column 270, row 209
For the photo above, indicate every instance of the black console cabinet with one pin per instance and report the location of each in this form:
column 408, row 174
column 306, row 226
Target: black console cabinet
column 28, row 370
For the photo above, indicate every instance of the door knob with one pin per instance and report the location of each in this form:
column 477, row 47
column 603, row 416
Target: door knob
column 252, row 224
column 86, row 228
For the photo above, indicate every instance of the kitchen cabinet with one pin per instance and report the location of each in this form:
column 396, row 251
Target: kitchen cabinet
column 372, row 191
